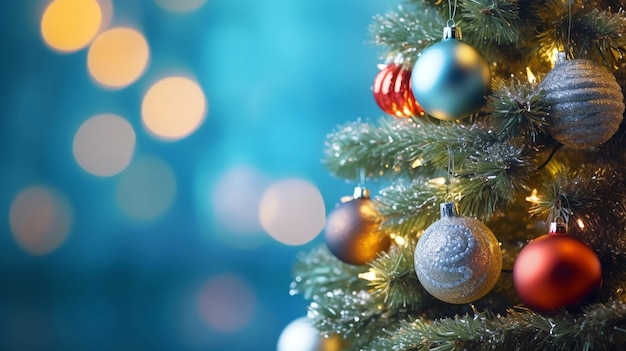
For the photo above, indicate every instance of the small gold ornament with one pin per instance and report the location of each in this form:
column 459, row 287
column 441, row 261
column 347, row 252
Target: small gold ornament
column 352, row 230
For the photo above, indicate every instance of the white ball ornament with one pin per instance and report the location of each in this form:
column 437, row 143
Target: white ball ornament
column 457, row 259
column 301, row 335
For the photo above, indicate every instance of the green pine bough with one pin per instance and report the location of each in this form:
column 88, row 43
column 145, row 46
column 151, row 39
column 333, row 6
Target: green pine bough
column 501, row 166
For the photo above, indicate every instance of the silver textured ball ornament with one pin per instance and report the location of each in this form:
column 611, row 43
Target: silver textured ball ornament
column 451, row 79
column 457, row 259
column 586, row 103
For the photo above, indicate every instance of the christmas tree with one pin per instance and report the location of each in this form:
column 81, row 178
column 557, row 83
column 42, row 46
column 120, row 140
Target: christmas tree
column 500, row 222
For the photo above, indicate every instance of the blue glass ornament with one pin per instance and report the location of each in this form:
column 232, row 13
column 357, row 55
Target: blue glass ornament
column 451, row 79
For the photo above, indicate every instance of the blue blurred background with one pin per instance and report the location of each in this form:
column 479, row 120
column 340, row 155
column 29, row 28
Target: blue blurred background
column 120, row 231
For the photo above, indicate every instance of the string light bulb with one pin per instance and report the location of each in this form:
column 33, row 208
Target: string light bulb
column 533, row 197
column 531, row 76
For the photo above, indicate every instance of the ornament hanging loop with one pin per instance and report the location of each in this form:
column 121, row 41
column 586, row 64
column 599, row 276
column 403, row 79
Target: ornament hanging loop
column 559, row 216
column 450, row 177
column 568, row 44
column 451, row 31
column 568, row 47
column 360, row 191
column 451, row 11
column 361, row 177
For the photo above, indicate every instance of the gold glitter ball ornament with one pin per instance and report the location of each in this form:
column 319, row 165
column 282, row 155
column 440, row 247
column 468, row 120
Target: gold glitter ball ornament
column 457, row 259
column 586, row 103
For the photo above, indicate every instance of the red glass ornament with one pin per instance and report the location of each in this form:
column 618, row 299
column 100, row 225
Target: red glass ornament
column 556, row 270
column 392, row 91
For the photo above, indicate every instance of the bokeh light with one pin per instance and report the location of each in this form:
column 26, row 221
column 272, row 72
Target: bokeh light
column 292, row 211
column 236, row 198
column 69, row 25
column 181, row 5
column 104, row 145
column 106, row 7
column 173, row 108
column 118, row 57
column 227, row 303
column 40, row 219
column 146, row 189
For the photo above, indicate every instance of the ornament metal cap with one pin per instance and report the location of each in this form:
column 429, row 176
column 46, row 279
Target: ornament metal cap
column 561, row 57
column 361, row 193
column 452, row 32
column 447, row 209
column 558, row 226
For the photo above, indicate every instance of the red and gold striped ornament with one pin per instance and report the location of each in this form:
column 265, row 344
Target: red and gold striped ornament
column 392, row 91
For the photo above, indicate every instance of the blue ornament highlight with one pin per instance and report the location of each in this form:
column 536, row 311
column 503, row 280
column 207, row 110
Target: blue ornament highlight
column 451, row 79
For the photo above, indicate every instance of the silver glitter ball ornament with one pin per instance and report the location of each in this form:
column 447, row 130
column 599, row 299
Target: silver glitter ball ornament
column 457, row 259
column 586, row 103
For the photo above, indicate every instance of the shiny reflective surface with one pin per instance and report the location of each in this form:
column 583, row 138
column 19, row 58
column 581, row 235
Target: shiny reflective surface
column 450, row 80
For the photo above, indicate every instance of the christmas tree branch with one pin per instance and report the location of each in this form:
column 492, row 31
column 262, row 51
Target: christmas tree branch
column 591, row 34
column 396, row 148
column 350, row 314
column 517, row 108
column 354, row 315
column 407, row 209
column 612, row 152
column 492, row 178
column 408, row 32
column 495, row 21
column 318, row 272
column 494, row 172
column 601, row 327
column 360, row 147
column 601, row 37
column 392, row 278
column 592, row 199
